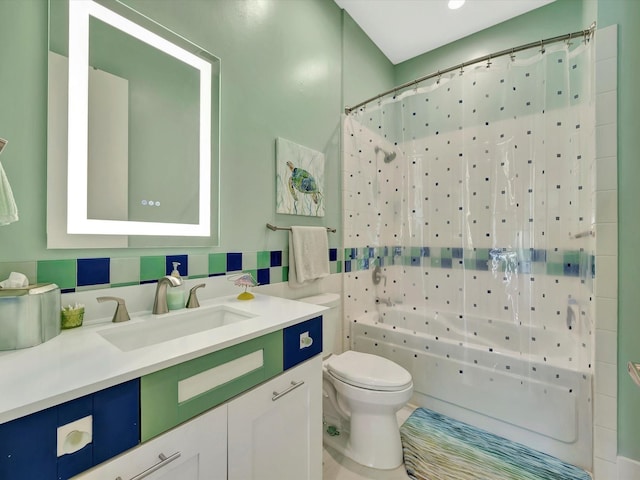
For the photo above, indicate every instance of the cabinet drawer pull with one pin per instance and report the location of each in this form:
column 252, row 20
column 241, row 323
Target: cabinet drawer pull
column 293, row 386
column 164, row 460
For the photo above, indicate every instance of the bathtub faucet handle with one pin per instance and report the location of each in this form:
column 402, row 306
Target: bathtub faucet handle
column 377, row 276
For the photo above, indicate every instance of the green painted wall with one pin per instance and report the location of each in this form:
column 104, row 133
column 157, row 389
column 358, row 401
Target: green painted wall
column 626, row 14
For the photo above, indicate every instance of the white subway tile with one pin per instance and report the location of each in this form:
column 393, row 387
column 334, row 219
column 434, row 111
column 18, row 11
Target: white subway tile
column 607, row 43
column 606, row 411
column 606, row 281
column 606, row 107
column 605, row 444
column 607, row 239
column 606, row 381
column 607, row 140
column 607, row 313
column 604, row 470
column 607, row 173
column 606, row 75
column 606, row 347
column 607, row 206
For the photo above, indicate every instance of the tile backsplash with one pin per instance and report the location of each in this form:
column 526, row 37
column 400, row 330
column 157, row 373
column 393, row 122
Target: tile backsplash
column 77, row 274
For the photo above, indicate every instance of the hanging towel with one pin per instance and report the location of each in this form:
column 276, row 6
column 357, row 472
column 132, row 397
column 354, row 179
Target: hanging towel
column 308, row 255
column 8, row 208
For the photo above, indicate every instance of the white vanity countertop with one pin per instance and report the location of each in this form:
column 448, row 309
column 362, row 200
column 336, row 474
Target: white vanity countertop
column 80, row 361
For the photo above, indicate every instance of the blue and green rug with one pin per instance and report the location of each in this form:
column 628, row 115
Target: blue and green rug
column 437, row 447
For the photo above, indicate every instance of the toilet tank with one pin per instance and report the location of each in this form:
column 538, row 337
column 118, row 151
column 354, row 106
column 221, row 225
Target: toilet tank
column 331, row 321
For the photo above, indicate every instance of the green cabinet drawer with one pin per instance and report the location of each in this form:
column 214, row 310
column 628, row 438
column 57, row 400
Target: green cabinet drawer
column 176, row 394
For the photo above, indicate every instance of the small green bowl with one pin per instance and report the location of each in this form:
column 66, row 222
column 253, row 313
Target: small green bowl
column 72, row 318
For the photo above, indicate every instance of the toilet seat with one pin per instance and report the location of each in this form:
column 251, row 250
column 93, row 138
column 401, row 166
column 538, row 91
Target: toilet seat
column 371, row 372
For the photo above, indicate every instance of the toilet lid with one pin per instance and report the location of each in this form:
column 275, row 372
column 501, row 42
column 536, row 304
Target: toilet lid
column 368, row 371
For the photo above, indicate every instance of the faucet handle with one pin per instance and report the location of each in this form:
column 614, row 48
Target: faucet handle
column 193, row 298
column 121, row 314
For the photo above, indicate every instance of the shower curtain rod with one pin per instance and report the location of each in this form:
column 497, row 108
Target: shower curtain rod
column 487, row 58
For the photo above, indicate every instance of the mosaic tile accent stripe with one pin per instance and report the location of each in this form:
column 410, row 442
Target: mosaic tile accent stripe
column 92, row 273
column 567, row 263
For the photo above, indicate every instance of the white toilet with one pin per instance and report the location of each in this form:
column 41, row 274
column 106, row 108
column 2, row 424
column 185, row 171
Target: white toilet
column 362, row 393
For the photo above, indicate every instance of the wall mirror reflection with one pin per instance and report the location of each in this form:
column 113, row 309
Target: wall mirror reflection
column 133, row 131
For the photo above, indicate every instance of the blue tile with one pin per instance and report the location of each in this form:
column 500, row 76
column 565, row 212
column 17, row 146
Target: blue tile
column 571, row 269
column 276, row 258
column 381, row 261
column 446, row 263
column 538, row 255
column 456, row 253
column 354, row 253
column 397, row 251
column 183, row 268
column 525, row 267
column 93, row 271
column 425, row 251
column 365, row 264
column 482, row 265
column 371, row 252
column 333, row 254
column 264, row 277
column 347, row 266
column 70, row 465
column 234, row 262
column 415, row 261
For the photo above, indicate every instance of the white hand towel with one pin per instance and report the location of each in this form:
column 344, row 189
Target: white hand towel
column 8, row 208
column 308, row 255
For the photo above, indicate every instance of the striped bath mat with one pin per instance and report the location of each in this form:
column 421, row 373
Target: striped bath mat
column 437, row 447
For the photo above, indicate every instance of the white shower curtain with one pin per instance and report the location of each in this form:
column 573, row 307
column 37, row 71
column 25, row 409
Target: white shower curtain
column 474, row 194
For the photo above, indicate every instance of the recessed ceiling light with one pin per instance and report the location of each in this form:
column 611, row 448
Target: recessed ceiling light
column 455, row 4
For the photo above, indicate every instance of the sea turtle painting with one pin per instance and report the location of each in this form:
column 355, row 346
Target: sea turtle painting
column 303, row 182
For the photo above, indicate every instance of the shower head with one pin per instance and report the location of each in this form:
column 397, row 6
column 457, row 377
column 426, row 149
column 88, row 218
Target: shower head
column 388, row 156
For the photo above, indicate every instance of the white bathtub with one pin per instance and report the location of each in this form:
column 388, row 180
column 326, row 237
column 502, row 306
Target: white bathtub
column 512, row 380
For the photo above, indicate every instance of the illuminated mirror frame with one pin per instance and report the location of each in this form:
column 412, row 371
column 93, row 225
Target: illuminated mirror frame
column 77, row 218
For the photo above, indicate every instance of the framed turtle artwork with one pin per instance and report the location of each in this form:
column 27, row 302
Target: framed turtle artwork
column 299, row 179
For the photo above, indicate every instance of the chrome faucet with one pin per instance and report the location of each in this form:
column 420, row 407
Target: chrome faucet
column 160, row 301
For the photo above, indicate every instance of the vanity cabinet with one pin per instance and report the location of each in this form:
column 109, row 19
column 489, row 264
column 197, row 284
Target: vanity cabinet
column 196, row 450
column 275, row 430
column 61, row 441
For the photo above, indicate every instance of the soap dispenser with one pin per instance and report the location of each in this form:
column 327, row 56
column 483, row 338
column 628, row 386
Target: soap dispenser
column 175, row 295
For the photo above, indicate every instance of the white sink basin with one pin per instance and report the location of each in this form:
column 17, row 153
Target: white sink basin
column 158, row 329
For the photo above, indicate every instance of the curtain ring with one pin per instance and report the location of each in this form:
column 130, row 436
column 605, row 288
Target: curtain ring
column 489, row 61
column 513, row 55
column 569, row 42
column 461, row 69
column 438, row 80
column 542, row 50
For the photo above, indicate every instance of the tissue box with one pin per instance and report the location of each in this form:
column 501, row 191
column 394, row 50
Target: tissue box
column 29, row 316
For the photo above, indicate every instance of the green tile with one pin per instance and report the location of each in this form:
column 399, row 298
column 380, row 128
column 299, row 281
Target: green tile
column 435, row 262
column 482, row 254
column 217, row 263
column 152, row 267
column 285, row 274
column 572, row 257
column 416, row 252
column 264, row 259
column 555, row 269
column 60, row 272
column 446, row 253
column 470, row 264
column 339, row 266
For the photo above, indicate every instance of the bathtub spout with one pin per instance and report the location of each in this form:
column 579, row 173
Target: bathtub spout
column 387, row 301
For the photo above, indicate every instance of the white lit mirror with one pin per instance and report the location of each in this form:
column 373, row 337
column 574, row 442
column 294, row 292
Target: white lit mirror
column 133, row 131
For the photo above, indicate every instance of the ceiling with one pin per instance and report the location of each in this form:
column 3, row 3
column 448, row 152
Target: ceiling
column 403, row 29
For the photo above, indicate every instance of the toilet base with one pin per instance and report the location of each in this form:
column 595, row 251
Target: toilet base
column 391, row 459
